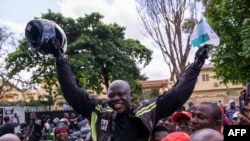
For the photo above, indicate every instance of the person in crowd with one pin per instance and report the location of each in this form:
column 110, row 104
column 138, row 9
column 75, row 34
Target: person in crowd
column 47, row 127
column 190, row 107
column 32, row 120
column 82, row 122
column 207, row 134
column 55, row 121
column 177, row 136
column 158, row 133
column 9, row 137
column 242, row 98
column 168, row 123
column 225, row 119
column 35, row 133
column 246, row 108
column 235, row 120
column 73, row 121
column 206, row 115
column 221, row 106
column 220, row 103
column 182, row 121
column 115, row 118
column 15, row 119
column 61, row 132
column 66, row 115
column 231, row 110
column 7, row 127
column 65, row 118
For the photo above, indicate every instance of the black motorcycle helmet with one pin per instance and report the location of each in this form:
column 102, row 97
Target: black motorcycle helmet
column 39, row 32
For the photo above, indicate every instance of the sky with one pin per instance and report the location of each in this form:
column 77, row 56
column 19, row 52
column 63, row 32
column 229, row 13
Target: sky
column 17, row 13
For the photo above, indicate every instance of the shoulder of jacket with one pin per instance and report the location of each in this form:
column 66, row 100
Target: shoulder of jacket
column 145, row 103
column 103, row 106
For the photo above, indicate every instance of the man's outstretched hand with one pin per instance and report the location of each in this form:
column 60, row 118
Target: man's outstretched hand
column 201, row 55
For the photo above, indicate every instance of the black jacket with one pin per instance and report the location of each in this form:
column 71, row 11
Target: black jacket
column 147, row 111
column 7, row 128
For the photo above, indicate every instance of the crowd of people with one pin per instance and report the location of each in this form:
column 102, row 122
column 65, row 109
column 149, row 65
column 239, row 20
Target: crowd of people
column 59, row 129
column 199, row 119
column 199, row 122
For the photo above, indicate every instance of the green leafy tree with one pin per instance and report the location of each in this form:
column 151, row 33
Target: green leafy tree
column 153, row 93
column 230, row 20
column 98, row 54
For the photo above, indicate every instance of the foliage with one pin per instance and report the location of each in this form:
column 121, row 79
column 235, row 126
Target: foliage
column 60, row 103
column 6, row 38
column 230, row 20
column 98, row 54
column 153, row 93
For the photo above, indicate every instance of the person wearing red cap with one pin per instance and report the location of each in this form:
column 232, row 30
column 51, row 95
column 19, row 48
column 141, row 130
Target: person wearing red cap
column 182, row 120
column 177, row 136
column 61, row 132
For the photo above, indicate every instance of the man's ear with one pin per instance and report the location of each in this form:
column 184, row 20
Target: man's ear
column 218, row 124
column 131, row 93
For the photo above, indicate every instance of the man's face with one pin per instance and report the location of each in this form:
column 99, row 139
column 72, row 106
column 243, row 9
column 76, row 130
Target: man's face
column 73, row 115
column 169, row 124
column 202, row 118
column 119, row 97
column 232, row 104
column 66, row 115
column 183, row 124
column 32, row 117
column 62, row 135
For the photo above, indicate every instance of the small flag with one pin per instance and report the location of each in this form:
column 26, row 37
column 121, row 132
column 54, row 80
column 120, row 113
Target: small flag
column 204, row 34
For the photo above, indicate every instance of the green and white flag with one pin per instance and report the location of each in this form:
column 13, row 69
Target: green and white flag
column 204, row 34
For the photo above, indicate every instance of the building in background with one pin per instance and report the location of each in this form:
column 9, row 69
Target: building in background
column 210, row 89
column 207, row 88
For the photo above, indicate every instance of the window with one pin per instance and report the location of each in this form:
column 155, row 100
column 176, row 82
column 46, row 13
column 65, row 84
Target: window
column 205, row 77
